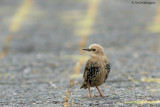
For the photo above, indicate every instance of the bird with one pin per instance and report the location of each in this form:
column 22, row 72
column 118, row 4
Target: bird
column 97, row 68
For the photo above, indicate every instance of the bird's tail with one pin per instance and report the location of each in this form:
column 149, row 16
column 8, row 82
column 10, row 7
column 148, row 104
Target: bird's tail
column 84, row 86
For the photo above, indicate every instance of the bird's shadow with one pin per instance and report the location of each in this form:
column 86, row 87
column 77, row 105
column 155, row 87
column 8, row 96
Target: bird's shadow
column 98, row 96
column 95, row 96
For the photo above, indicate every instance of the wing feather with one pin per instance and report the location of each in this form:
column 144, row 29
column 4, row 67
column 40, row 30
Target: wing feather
column 91, row 71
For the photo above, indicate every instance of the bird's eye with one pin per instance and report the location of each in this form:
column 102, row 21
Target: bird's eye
column 93, row 49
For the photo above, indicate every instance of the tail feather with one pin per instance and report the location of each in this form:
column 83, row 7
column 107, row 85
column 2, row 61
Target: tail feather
column 84, row 86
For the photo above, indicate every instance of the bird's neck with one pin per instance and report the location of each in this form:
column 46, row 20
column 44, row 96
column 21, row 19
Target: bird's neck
column 95, row 56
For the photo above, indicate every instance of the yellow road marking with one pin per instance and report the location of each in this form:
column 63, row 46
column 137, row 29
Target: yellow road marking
column 15, row 25
column 83, row 29
column 156, row 26
column 20, row 15
column 132, row 79
column 154, row 90
column 68, row 93
column 157, row 80
column 143, row 102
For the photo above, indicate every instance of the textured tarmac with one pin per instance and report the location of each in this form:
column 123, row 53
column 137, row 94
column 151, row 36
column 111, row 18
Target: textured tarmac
column 41, row 61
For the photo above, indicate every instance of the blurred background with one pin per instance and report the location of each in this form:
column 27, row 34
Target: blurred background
column 41, row 61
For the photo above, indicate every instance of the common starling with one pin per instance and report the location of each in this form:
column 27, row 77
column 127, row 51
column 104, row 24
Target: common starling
column 97, row 68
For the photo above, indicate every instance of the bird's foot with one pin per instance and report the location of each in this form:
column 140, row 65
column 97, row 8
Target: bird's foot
column 101, row 95
column 90, row 96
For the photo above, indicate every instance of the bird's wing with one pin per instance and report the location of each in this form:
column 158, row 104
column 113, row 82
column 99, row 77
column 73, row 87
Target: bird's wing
column 108, row 67
column 91, row 70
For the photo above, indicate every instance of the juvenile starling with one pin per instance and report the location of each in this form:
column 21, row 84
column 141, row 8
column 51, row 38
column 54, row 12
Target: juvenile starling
column 97, row 68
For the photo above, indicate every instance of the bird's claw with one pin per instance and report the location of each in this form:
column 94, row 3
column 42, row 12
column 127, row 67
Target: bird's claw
column 101, row 95
column 90, row 96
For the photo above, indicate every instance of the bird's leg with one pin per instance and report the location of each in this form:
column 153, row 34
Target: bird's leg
column 99, row 91
column 89, row 92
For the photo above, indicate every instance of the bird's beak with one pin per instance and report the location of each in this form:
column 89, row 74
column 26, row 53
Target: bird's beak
column 87, row 49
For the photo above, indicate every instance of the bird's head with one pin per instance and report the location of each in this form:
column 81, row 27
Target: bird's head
column 95, row 49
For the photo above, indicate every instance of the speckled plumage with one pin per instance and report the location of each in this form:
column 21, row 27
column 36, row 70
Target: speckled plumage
column 97, row 68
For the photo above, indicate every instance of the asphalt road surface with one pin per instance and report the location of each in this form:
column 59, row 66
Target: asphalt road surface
column 41, row 61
